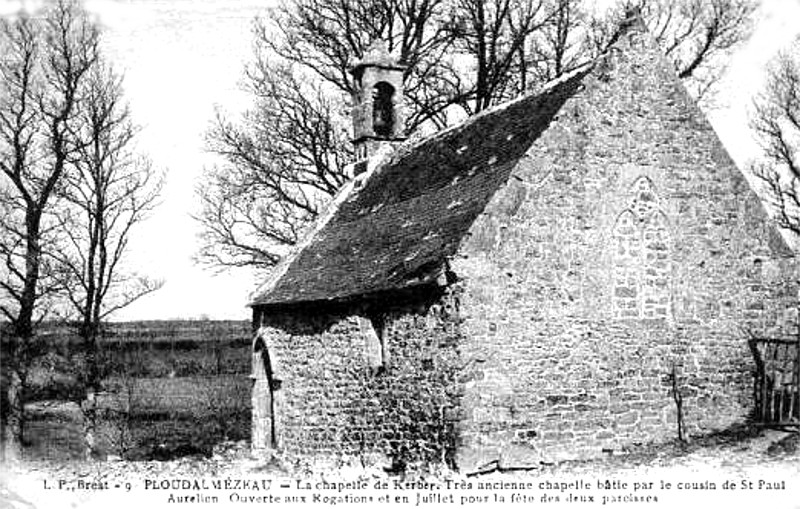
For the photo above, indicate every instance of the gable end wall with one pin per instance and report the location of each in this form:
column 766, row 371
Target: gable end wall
column 566, row 358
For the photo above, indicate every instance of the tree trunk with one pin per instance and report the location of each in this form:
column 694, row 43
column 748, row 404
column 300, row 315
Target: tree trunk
column 88, row 406
column 89, row 411
column 17, row 359
column 13, row 425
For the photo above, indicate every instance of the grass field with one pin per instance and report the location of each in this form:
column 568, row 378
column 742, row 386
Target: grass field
column 172, row 389
column 165, row 417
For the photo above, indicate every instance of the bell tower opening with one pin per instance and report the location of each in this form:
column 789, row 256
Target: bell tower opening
column 383, row 109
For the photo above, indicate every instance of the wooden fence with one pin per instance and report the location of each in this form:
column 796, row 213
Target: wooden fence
column 777, row 381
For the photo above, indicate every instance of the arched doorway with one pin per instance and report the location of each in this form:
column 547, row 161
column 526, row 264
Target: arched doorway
column 264, row 397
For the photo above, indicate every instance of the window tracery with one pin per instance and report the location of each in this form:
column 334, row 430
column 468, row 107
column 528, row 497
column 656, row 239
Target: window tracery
column 641, row 256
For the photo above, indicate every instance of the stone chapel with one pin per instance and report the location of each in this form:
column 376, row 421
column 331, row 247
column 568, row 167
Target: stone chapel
column 533, row 284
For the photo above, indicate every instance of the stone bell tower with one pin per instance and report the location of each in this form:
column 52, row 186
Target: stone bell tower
column 377, row 102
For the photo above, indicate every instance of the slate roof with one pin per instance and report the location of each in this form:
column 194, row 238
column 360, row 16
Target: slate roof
column 411, row 212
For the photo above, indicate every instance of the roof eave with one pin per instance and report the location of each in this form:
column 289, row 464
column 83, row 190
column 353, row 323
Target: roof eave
column 435, row 279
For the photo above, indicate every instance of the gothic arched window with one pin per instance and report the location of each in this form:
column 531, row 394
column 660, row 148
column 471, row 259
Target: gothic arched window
column 641, row 256
column 383, row 109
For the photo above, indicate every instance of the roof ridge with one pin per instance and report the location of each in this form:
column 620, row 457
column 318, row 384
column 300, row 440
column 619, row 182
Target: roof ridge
column 413, row 144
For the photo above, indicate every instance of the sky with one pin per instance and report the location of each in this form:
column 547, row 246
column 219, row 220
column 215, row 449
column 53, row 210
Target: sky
column 182, row 58
column 777, row 25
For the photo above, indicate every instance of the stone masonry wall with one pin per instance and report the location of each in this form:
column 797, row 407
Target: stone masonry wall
column 625, row 245
column 337, row 399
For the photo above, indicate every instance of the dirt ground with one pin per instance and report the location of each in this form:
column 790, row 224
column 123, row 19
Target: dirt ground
column 741, row 467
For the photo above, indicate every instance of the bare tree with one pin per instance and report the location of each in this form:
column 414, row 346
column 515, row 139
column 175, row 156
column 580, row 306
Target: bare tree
column 558, row 46
column 282, row 163
column 776, row 121
column 108, row 191
column 461, row 56
column 44, row 66
column 287, row 156
column 492, row 33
